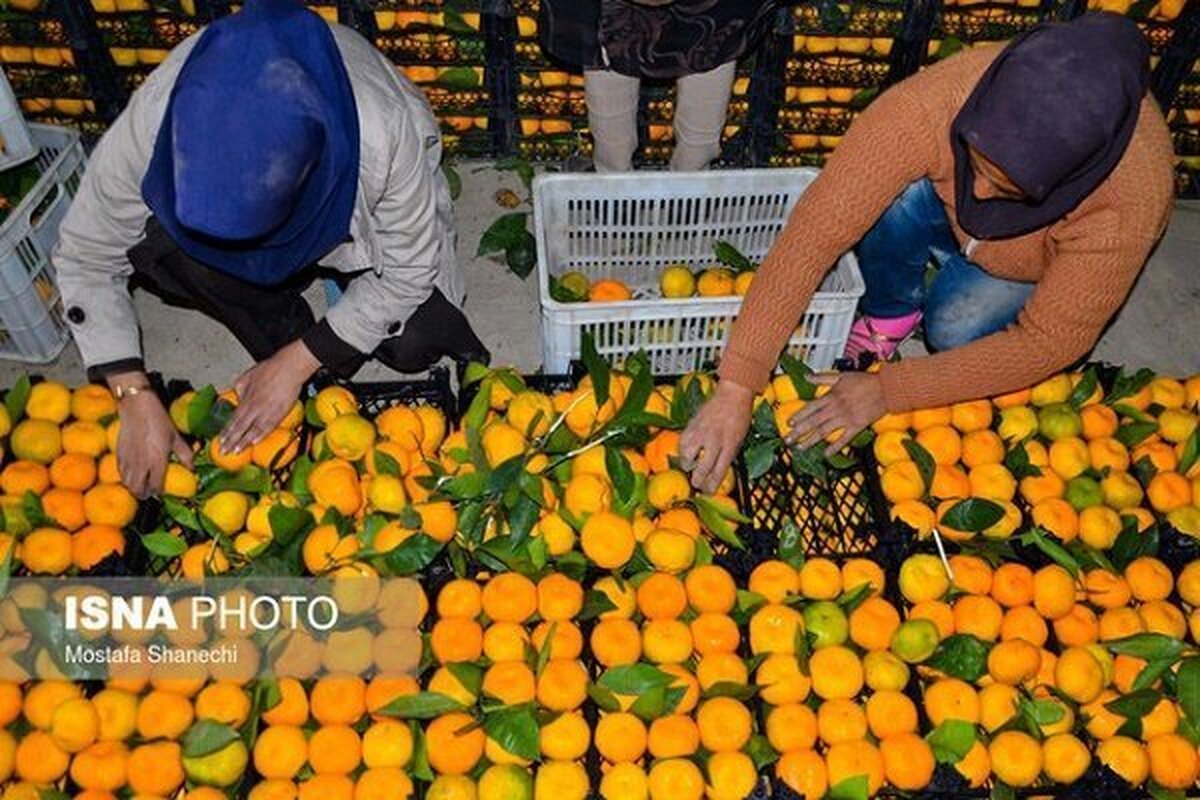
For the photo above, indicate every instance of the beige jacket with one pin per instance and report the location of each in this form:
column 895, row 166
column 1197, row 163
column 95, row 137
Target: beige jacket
column 402, row 229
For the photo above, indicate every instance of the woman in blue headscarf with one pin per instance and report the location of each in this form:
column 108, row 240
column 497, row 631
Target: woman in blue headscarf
column 267, row 146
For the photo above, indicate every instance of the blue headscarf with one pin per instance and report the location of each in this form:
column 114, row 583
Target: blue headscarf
column 255, row 168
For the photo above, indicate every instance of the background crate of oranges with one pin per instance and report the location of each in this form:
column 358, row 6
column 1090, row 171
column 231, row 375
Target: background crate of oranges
column 498, row 95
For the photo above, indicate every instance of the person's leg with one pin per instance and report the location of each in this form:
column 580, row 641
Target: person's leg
column 437, row 328
column 701, row 102
column 612, row 103
column 263, row 318
column 893, row 256
column 965, row 303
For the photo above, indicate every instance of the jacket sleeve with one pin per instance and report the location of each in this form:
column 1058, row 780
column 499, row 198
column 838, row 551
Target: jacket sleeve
column 408, row 224
column 106, row 218
column 887, row 148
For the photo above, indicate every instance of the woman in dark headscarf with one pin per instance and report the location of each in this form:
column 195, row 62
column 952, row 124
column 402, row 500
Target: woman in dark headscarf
column 1038, row 176
column 618, row 42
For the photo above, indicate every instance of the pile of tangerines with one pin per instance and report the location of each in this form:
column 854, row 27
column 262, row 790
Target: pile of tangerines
column 577, row 621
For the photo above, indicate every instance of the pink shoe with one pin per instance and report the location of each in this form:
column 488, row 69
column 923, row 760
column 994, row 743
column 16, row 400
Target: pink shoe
column 879, row 336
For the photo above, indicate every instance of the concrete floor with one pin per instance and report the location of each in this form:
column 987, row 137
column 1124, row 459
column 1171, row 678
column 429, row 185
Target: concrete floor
column 1159, row 327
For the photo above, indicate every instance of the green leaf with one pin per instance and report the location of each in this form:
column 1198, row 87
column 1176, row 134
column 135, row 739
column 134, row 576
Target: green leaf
column 791, row 544
column 1155, row 791
column 634, row 679
column 385, row 464
column 853, row 599
column 960, row 656
column 287, row 523
column 422, row 705
column 420, row 757
column 16, row 398
column 1018, row 463
column 251, row 479
column 1147, row 646
column 951, row 741
column 604, row 698
column 760, row 457
column 459, row 78
column 926, row 466
column 1135, row 705
column 595, row 603
column 1084, row 389
column 716, row 519
column 1043, row 711
column 798, row 372
column 206, row 736
column 973, row 514
column 854, row 788
column 506, row 231
column 1133, row 433
column 207, row 414
column 1059, row 554
column 521, row 255
column 738, row 691
column 466, row 486
column 182, row 513
column 731, row 257
column 1128, row 385
column 1151, row 673
column 657, row 702
column 597, row 368
column 1191, row 452
column 34, row 511
column 164, row 544
column 515, row 729
column 1187, row 688
column 620, row 474
column 412, row 555
column 761, row 752
column 1132, row 544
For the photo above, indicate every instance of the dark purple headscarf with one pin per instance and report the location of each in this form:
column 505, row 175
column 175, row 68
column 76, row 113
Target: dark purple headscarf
column 1055, row 111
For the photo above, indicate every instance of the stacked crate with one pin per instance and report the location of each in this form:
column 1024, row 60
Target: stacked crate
column 441, row 49
column 551, row 117
column 1185, row 129
column 839, row 60
column 37, row 58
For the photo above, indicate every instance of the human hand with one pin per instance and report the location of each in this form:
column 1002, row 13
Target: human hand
column 146, row 440
column 714, row 436
column 266, row 392
column 855, row 401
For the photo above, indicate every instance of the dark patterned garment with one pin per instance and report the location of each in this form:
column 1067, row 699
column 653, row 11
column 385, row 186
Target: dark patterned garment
column 660, row 41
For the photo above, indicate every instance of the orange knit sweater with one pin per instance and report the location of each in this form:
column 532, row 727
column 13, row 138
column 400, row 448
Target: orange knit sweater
column 1083, row 265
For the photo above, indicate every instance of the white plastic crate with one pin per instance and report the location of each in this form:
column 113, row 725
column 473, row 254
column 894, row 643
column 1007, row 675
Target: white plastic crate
column 32, row 327
column 16, row 142
column 629, row 226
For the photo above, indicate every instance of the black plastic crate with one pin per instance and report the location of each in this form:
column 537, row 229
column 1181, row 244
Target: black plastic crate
column 985, row 22
column 377, row 396
column 30, row 80
column 32, row 28
column 871, row 19
column 836, row 70
column 433, row 48
column 841, row 512
column 145, row 28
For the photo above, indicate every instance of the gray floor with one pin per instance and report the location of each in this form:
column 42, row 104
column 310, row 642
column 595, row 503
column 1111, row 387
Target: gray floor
column 1159, row 327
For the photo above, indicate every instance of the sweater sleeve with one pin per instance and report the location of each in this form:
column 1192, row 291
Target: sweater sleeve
column 1083, row 286
column 888, row 147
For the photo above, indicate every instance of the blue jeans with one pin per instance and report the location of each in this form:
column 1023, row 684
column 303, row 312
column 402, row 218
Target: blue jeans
column 962, row 303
